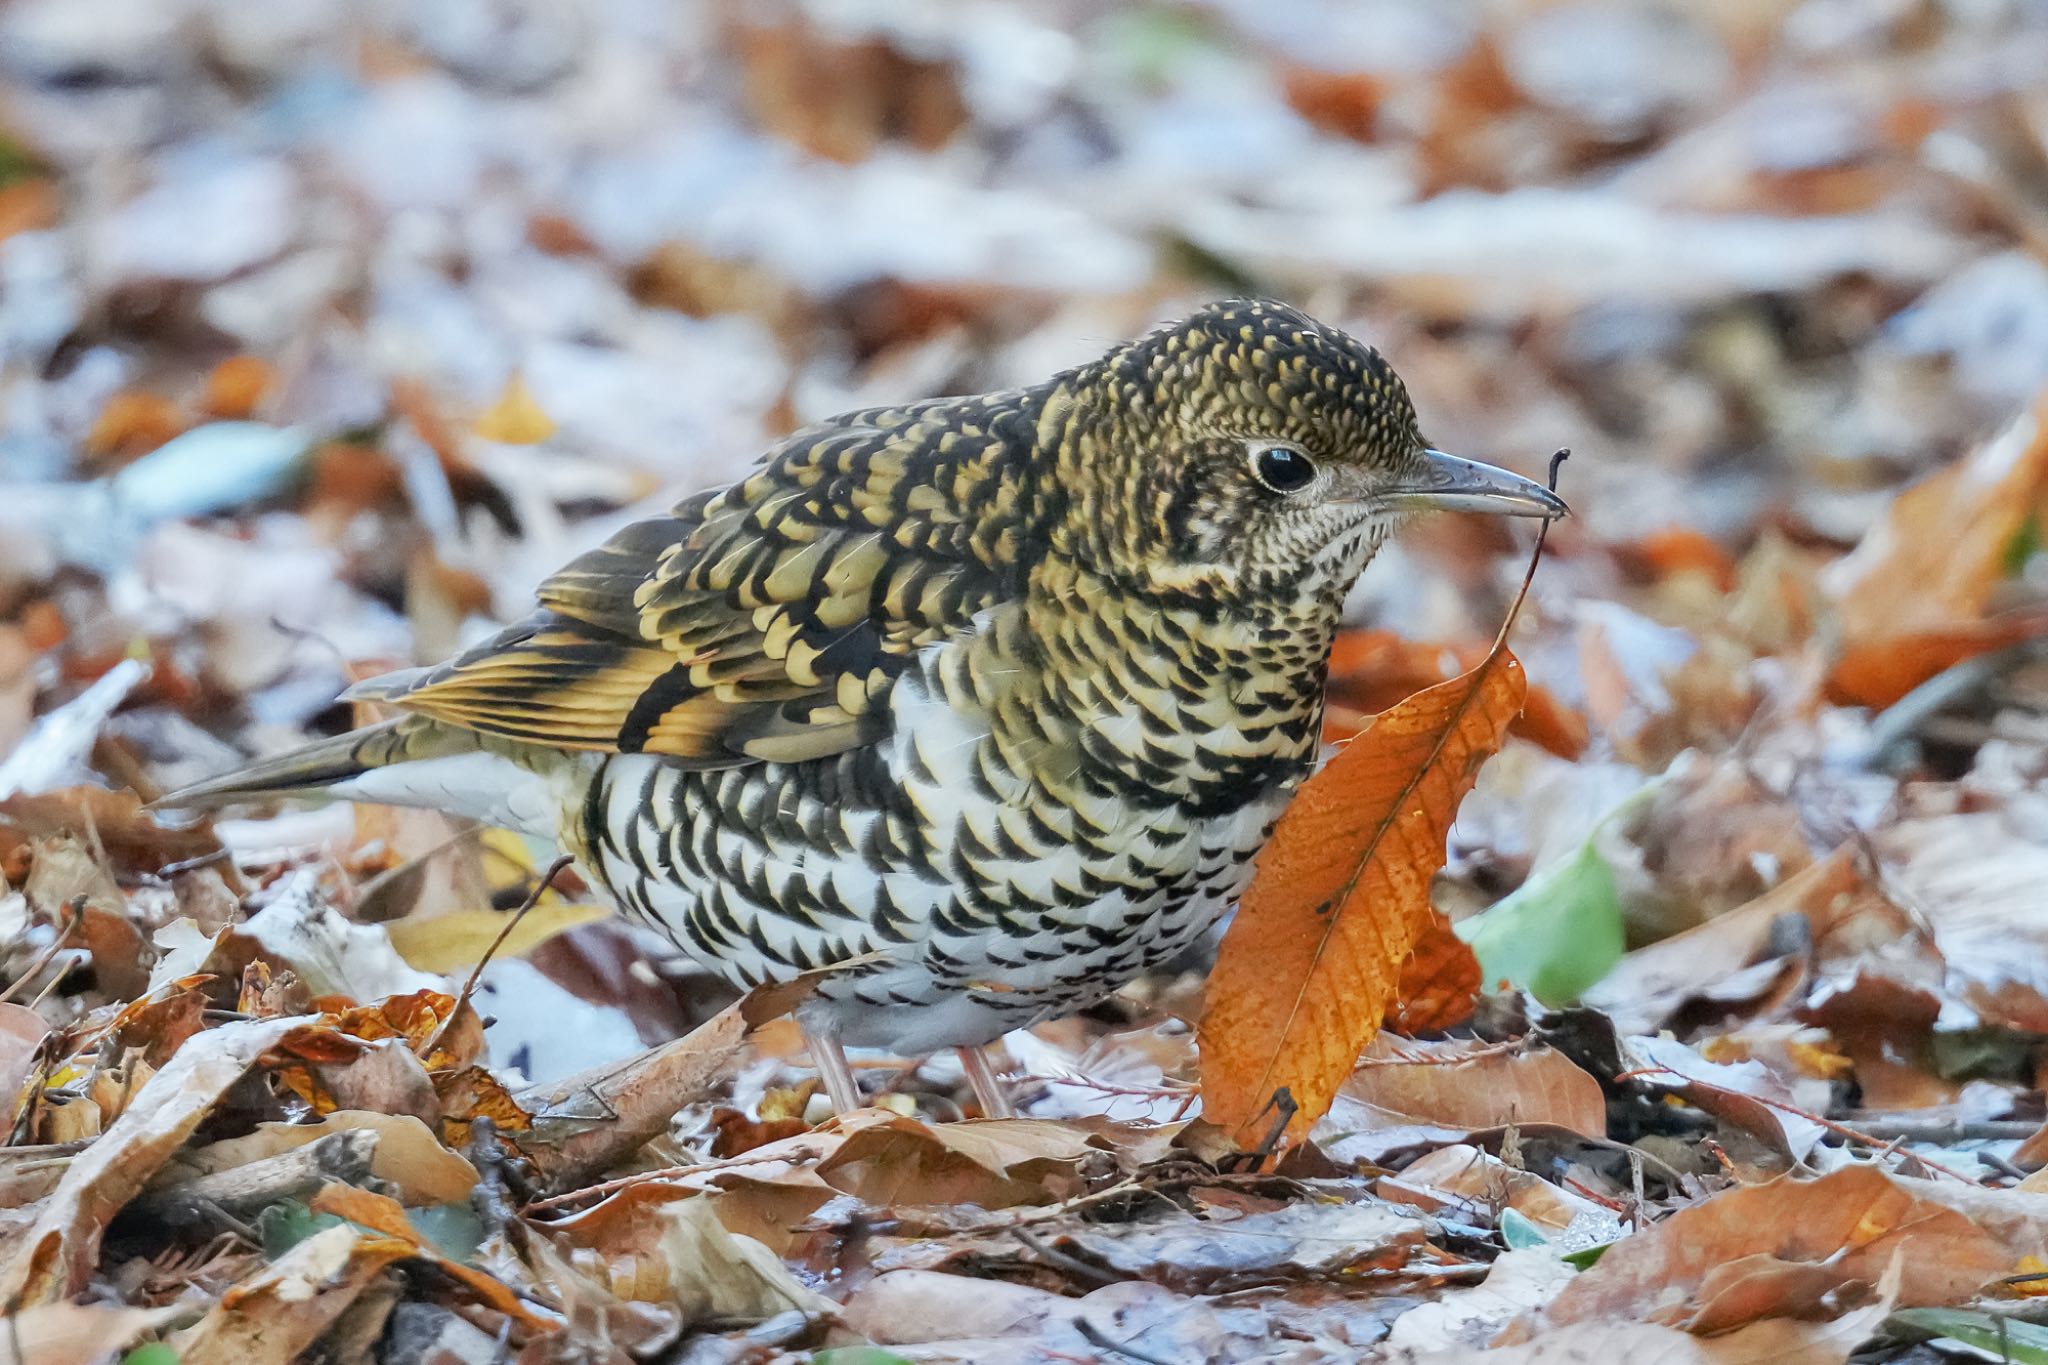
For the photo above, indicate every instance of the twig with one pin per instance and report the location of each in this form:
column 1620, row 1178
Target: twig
column 1061, row 1261
column 1443, row 1059
column 665, row 1173
column 1839, row 1129
column 73, row 918
column 540, row 889
column 245, row 1191
column 1912, row 1128
column 1097, row 1337
column 1149, row 1092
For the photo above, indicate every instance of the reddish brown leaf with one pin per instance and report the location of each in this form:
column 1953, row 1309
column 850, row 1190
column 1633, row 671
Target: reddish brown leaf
column 1878, row 673
column 1440, row 982
column 1463, row 1084
column 1340, row 898
column 1776, row 1249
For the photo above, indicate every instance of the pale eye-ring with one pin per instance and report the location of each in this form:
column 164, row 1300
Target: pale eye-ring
column 1282, row 468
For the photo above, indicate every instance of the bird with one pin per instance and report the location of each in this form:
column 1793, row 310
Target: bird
column 969, row 710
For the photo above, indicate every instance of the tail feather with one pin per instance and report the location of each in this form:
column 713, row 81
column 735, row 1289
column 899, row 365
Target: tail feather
column 311, row 768
column 410, row 761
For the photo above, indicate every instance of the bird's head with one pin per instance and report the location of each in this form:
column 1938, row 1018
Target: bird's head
column 1249, row 450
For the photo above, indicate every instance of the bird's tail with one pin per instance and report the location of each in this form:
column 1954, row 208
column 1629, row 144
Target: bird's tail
column 410, row 761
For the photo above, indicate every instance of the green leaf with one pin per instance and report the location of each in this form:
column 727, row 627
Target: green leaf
column 857, row 1355
column 284, row 1225
column 1557, row 933
column 154, row 1353
column 1517, row 1233
column 2012, row 1339
column 1585, row 1257
column 454, row 1229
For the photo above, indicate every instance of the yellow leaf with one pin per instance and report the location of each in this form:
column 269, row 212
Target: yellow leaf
column 458, row 939
column 1339, row 899
column 516, row 419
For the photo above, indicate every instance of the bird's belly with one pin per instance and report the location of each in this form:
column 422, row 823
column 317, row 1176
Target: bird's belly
column 957, row 921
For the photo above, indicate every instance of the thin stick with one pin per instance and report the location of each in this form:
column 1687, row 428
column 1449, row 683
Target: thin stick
column 74, row 917
column 540, row 889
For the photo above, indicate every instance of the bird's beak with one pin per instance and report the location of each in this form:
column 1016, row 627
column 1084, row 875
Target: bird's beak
column 1452, row 483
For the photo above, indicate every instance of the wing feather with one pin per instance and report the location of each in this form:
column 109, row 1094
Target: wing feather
column 762, row 622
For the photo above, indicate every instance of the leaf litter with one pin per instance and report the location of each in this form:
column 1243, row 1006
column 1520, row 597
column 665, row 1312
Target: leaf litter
column 1758, row 859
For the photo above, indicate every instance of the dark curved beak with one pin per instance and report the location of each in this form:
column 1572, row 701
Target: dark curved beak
column 1453, row 483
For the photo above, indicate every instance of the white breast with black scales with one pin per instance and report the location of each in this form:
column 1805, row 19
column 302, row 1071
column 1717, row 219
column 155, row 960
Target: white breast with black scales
column 977, row 909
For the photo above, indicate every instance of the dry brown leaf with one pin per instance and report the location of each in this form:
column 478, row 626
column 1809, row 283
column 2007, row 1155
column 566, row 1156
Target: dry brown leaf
column 1774, row 1250
column 75, row 1333
column 386, row 1217
column 408, row 1155
column 887, row 1160
column 22, row 1031
column 1371, row 670
column 1478, row 1185
column 585, row 1122
column 1339, row 899
column 1440, row 982
column 1434, row 1083
column 1942, row 547
column 53, row 1260
column 276, row 1314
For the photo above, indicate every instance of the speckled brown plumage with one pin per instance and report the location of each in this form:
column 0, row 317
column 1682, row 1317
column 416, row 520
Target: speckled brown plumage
column 992, row 697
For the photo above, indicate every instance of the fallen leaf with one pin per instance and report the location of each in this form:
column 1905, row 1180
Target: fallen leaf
column 713, row 1272
column 587, row 1121
column 22, row 1031
column 516, row 418
column 236, row 385
column 1467, row 1319
column 1746, row 1094
column 1339, row 898
column 76, row 1333
column 386, row 1217
column 1300, row 1241
column 1475, row 1185
column 887, row 1160
column 298, row 928
column 1460, row 1083
column 1931, row 564
column 408, row 1154
column 132, row 424
column 459, row 938
column 1774, row 1250
column 1372, row 670
column 281, row 1310
column 57, row 1254
column 1560, row 931
column 1440, row 982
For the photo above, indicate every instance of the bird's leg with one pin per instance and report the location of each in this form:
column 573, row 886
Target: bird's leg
column 830, row 1060
column 988, row 1087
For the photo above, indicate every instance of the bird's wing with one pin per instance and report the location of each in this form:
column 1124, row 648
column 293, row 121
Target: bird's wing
column 766, row 621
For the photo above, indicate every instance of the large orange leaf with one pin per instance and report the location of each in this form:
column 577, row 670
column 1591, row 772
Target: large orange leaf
column 1339, row 899
column 1914, row 596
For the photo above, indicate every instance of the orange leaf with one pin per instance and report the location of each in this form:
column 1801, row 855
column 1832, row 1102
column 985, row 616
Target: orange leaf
column 516, row 418
column 1679, row 549
column 132, row 424
column 1440, row 981
column 1879, row 673
column 237, row 385
column 1371, row 670
column 1339, row 899
column 1934, row 560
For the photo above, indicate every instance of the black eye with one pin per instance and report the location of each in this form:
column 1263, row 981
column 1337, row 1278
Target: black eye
column 1283, row 468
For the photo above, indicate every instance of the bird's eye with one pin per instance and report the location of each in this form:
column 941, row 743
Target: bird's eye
column 1283, row 468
